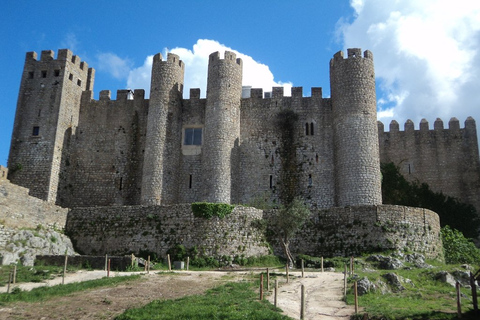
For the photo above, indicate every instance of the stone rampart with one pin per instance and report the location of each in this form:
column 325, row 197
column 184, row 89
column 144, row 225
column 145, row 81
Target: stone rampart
column 18, row 209
column 156, row 229
column 349, row 231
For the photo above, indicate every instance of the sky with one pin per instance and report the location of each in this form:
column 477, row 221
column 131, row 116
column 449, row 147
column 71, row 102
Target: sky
column 426, row 53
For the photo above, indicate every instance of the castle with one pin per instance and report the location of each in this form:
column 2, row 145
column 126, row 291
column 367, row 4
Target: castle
column 230, row 147
column 135, row 161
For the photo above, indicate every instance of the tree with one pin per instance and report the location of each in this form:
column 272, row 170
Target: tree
column 458, row 215
column 287, row 220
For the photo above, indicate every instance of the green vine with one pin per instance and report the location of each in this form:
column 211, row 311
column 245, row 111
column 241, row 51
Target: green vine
column 208, row 210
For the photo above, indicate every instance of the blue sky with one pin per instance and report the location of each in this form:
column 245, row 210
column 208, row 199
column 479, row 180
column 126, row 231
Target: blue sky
column 425, row 52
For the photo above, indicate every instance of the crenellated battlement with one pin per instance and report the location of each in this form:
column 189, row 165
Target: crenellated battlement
column 171, row 59
column 278, row 93
column 353, row 53
column 409, row 126
column 228, row 57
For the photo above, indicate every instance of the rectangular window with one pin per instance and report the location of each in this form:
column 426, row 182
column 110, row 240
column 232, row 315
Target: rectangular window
column 70, row 77
column 193, row 136
column 57, row 73
column 44, row 74
column 79, row 82
column 35, row 131
column 30, row 75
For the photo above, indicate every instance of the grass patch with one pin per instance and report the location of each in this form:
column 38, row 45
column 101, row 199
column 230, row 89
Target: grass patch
column 230, row 301
column 30, row 274
column 423, row 297
column 44, row 293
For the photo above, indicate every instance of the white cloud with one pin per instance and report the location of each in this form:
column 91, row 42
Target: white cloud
column 70, row 41
column 426, row 56
column 117, row 67
column 255, row 74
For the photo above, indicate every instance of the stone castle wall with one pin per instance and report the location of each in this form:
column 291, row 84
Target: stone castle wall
column 355, row 230
column 155, row 229
column 446, row 159
column 19, row 210
column 96, row 152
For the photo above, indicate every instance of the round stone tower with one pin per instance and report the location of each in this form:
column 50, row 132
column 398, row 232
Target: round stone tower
column 159, row 185
column 222, row 125
column 356, row 154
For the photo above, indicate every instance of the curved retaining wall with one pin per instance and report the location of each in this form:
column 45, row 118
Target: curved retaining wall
column 349, row 231
column 155, row 229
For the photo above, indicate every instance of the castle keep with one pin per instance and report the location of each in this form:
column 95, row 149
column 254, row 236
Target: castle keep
column 75, row 151
column 117, row 159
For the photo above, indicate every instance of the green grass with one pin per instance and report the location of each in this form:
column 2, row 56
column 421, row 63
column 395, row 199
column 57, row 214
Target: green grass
column 229, row 302
column 44, row 293
column 427, row 298
column 29, row 274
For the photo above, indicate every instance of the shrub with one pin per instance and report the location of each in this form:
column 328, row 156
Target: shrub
column 208, row 210
column 457, row 248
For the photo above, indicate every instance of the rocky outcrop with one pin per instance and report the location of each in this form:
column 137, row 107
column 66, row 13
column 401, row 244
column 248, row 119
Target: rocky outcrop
column 22, row 245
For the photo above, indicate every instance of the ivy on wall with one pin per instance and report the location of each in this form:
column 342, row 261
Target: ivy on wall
column 208, row 210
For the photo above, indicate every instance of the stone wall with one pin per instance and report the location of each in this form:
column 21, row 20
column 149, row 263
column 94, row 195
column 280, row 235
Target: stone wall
column 155, row 229
column 355, row 230
column 447, row 159
column 19, row 210
column 94, row 262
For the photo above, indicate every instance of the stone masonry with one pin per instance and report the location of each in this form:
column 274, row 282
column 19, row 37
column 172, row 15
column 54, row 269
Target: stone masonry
column 72, row 150
column 127, row 167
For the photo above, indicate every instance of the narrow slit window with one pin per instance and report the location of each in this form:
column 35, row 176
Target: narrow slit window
column 306, row 129
column 310, row 180
column 190, row 182
column 271, row 181
column 311, row 129
column 121, row 184
column 316, row 157
column 36, row 131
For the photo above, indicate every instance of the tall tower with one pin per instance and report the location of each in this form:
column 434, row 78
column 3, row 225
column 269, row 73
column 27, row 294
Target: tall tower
column 222, row 125
column 160, row 168
column 48, row 106
column 357, row 160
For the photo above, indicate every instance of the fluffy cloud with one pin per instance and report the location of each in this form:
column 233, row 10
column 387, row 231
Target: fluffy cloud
column 117, row 67
column 426, row 56
column 255, row 74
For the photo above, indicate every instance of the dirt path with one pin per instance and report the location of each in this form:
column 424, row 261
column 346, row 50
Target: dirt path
column 323, row 296
column 324, row 293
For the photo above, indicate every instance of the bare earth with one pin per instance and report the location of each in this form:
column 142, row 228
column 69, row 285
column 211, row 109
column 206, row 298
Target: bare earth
column 323, row 293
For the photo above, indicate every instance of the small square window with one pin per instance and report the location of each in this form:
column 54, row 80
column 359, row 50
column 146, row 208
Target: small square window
column 193, row 136
column 30, row 75
column 35, row 131
column 79, row 82
column 70, row 77
column 57, row 73
column 44, row 74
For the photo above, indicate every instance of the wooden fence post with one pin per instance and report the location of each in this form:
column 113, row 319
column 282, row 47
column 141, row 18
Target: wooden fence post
column 9, row 281
column 64, row 269
column 106, row 262
column 474, row 293
column 169, row 263
column 459, row 301
column 303, row 275
column 133, row 259
column 188, row 262
column 268, row 279
column 275, row 293
column 356, row 297
column 322, row 264
column 261, row 286
column 286, row 271
column 148, row 264
column 302, row 303
column 108, row 270
column 345, row 283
